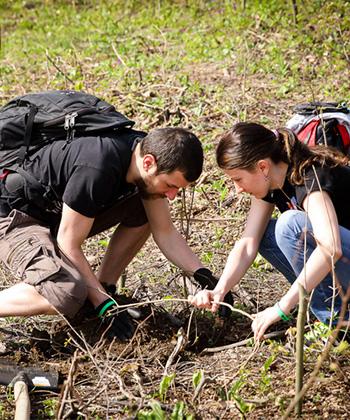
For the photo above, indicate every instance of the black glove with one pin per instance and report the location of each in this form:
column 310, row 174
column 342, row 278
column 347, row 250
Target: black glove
column 119, row 322
column 111, row 289
column 207, row 280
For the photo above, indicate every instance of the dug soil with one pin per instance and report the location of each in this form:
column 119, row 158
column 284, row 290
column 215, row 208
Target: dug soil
column 181, row 361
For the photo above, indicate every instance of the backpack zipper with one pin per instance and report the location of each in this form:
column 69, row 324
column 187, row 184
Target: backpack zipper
column 69, row 121
column 78, row 113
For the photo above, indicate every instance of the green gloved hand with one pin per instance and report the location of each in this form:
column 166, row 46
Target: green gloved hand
column 118, row 321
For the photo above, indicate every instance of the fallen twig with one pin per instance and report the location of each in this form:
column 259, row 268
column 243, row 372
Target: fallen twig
column 299, row 367
column 59, row 69
column 180, row 344
column 68, row 385
column 241, row 343
column 133, row 305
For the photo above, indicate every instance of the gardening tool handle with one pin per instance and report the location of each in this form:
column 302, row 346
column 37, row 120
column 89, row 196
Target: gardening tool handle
column 21, row 394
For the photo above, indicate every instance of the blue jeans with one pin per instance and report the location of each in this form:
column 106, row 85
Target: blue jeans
column 283, row 246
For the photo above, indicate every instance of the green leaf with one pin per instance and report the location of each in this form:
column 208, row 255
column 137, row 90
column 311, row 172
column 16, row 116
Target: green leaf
column 156, row 412
column 268, row 363
column 197, row 378
column 342, row 347
column 103, row 242
column 165, row 384
column 235, row 387
column 178, row 411
column 242, row 405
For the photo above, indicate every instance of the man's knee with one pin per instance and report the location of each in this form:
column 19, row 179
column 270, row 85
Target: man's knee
column 66, row 293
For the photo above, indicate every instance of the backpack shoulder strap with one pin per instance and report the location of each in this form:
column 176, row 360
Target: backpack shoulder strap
column 23, row 151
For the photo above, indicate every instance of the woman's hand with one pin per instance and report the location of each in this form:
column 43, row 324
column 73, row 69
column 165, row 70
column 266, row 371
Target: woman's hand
column 262, row 321
column 207, row 299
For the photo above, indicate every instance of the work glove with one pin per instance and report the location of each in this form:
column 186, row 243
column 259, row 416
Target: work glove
column 118, row 321
column 111, row 289
column 205, row 278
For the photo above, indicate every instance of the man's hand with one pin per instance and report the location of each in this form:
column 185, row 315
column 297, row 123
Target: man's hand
column 119, row 321
column 207, row 299
column 207, row 280
column 134, row 312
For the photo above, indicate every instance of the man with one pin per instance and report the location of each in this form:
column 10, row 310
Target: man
column 124, row 177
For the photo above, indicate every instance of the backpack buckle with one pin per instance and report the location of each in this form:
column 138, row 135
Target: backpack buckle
column 69, row 123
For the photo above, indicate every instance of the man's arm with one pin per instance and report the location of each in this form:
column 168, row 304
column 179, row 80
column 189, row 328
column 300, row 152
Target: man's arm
column 73, row 230
column 170, row 241
column 176, row 249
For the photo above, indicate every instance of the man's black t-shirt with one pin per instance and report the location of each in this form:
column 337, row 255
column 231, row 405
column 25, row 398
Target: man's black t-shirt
column 335, row 181
column 88, row 174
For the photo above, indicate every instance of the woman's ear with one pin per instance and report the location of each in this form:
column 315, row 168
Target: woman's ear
column 264, row 166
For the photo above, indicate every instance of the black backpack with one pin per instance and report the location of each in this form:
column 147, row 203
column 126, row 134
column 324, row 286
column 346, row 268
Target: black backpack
column 325, row 123
column 30, row 121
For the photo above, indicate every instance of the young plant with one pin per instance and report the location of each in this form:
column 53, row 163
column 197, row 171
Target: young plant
column 157, row 413
column 265, row 377
column 233, row 395
column 197, row 378
column 261, row 264
column 49, row 410
column 207, row 257
column 103, row 242
column 179, row 412
column 164, row 385
column 221, row 188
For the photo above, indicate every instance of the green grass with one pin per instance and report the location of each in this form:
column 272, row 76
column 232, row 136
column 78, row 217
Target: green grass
column 113, row 46
column 199, row 64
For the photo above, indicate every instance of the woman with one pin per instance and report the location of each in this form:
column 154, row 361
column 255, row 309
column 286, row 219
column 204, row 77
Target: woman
column 311, row 188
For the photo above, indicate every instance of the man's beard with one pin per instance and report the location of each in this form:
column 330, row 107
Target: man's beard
column 143, row 190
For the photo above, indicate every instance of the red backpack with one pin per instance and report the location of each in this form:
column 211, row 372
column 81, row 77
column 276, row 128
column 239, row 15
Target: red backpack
column 322, row 123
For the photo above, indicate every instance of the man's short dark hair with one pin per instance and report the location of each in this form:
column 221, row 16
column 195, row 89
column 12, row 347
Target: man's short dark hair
column 175, row 149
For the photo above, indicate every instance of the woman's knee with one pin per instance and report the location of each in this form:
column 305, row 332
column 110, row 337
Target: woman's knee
column 289, row 227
